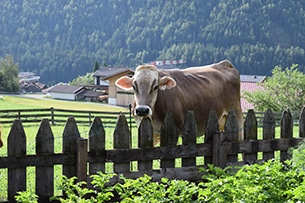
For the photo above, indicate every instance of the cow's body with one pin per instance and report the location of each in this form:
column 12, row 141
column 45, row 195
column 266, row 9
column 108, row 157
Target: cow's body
column 201, row 89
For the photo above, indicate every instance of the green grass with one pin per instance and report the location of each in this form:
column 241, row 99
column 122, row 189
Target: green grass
column 12, row 102
column 16, row 102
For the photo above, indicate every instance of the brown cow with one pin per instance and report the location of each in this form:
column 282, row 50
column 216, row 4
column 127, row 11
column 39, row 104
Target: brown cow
column 201, row 89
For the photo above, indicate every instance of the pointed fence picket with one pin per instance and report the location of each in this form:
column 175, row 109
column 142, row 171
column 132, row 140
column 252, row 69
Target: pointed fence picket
column 83, row 157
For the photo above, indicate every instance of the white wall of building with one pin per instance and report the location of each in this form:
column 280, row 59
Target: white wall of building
column 65, row 96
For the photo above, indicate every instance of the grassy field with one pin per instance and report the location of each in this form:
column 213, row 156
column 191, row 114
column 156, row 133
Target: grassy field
column 17, row 102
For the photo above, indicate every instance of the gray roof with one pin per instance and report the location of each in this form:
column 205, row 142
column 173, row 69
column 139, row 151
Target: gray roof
column 106, row 72
column 65, row 89
column 252, row 78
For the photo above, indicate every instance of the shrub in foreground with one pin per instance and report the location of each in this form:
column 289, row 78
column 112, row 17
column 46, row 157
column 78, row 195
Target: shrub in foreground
column 271, row 181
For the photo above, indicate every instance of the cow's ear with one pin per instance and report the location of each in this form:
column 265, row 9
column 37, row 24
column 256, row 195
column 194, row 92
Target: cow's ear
column 166, row 82
column 124, row 82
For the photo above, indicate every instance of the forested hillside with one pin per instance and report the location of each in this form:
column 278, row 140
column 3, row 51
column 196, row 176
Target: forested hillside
column 61, row 39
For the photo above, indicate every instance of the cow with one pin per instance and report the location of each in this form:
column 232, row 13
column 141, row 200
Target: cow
column 201, row 89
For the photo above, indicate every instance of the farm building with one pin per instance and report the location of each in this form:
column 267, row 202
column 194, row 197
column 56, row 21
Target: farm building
column 70, row 92
column 29, row 82
column 110, row 74
column 66, row 92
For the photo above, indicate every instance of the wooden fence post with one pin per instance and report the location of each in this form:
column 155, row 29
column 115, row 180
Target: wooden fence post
column 121, row 141
column 145, row 133
column 286, row 131
column 212, row 128
column 302, row 123
column 268, row 132
column 70, row 136
column 97, row 145
column 89, row 117
column 168, row 138
column 82, row 155
column 231, row 131
column 250, row 130
column 219, row 150
column 189, row 137
column 16, row 147
column 44, row 174
column 52, row 116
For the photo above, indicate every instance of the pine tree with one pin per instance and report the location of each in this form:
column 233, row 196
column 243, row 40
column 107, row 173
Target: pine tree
column 96, row 66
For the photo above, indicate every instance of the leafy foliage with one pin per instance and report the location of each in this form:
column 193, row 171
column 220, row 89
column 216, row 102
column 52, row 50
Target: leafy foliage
column 284, row 89
column 26, row 197
column 8, row 75
column 87, row 79
column 60, row 40
column 272, row 181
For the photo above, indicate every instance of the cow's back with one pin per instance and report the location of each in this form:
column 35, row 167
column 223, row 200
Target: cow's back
column 201, row 89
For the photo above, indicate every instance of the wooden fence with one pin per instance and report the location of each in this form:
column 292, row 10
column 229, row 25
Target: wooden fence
column 82, row 157
column 59, row 116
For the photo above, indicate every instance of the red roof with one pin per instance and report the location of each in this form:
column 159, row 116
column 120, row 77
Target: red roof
column 247, row 86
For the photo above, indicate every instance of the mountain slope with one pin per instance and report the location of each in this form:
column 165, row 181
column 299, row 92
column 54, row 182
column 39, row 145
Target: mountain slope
column 60, row 40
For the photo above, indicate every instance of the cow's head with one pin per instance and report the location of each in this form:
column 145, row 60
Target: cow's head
column 145, row 84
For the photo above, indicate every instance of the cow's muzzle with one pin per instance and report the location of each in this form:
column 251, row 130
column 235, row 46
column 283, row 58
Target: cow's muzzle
column 143, row 111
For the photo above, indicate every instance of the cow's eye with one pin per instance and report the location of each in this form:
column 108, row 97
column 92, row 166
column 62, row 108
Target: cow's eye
column 156, row 87
column 134, row 88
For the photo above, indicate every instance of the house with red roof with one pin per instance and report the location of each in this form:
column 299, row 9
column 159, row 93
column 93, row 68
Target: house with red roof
column 249, row 83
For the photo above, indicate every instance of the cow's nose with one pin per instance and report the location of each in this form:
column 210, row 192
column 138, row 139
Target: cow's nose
column 142, row 111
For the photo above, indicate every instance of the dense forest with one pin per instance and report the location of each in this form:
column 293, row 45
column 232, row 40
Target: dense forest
column 60, row 40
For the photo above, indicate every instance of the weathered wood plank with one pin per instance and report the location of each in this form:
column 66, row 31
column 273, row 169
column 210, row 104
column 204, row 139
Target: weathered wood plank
column 212, row 128
column 16, row 147
column 250, row 130
column 282, row 144
column 37, row 160
column 81, row 161
column 180, row 151
column 219, row 150
column 189, row 134
column 145, row 139
column 153, row 153
column 121, row 140
column 96, row 145
column 70, row 137
column 286, row 132
column 169, row 137
column 231, row 132
column 44, row 174
column 268, row 132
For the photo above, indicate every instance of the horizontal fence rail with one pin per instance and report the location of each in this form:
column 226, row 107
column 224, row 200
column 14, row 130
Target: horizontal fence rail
column 59, row 116
column 82, row 157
